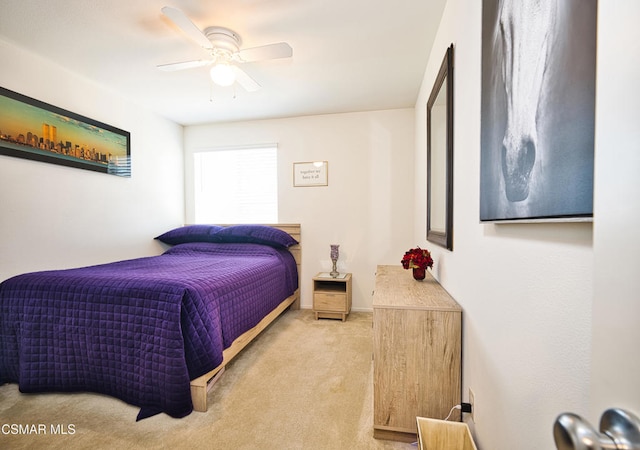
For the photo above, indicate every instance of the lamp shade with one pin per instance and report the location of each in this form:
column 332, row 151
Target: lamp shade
column 223, row 74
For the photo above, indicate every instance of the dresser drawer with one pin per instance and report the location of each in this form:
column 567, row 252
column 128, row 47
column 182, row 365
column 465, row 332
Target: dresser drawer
column 330, row 302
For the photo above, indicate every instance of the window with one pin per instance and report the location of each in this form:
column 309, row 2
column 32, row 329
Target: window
column 236, row 185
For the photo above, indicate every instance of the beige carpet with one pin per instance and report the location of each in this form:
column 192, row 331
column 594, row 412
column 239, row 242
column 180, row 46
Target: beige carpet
column 302, row 384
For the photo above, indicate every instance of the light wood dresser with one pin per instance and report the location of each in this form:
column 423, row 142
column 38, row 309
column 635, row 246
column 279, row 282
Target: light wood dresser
column 417, row 331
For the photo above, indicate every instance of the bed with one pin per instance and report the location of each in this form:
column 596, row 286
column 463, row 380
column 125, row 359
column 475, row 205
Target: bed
column 155, row 331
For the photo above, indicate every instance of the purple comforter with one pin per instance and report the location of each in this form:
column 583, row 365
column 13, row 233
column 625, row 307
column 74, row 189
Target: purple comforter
column 141, row 329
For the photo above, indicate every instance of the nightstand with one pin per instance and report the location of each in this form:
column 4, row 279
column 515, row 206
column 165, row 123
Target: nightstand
column 332, row 296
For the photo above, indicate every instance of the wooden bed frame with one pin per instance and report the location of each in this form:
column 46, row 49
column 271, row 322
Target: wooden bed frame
column 201, row 385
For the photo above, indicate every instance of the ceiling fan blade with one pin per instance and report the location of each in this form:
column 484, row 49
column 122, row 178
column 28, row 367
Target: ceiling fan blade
column 184, row 65
column 244, row 80
column 183, row 22
column 270, row 51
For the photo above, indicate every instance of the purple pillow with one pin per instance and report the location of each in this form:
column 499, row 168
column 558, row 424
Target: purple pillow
column 255, row 234
column 190, row 233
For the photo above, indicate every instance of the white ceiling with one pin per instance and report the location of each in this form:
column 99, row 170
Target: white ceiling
column 348, row 55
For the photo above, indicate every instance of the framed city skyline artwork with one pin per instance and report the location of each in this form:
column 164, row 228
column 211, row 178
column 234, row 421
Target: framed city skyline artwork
column 35, row 130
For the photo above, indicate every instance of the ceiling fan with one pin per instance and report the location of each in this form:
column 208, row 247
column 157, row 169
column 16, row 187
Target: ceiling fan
column 223, row 46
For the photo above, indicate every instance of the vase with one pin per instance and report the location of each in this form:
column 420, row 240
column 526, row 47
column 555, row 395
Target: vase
column 334, row 259
column 419, row 273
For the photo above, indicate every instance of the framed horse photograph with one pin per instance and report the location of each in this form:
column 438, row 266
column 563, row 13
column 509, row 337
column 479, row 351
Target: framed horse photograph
column 538, row 110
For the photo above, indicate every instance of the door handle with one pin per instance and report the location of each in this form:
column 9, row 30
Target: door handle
column 619, row 430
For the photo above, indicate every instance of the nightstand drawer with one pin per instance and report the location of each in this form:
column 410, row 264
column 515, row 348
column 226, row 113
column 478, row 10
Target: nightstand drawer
column 330, row 302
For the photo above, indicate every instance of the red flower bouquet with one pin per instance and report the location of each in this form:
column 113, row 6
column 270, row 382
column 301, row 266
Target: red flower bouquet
column 419, row 260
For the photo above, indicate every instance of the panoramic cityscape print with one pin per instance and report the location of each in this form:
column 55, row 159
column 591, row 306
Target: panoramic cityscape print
column 32, row 132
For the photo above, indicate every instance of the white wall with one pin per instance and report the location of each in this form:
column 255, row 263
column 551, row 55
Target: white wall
column 528, row 289
column 56, row 217
column 367, row 206
column 616, row 307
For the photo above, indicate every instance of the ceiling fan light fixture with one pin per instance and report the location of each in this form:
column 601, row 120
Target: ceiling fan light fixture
column 223, row 74
column 223, row 46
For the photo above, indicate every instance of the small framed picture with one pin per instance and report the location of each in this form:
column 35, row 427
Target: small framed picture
column 310, row 173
